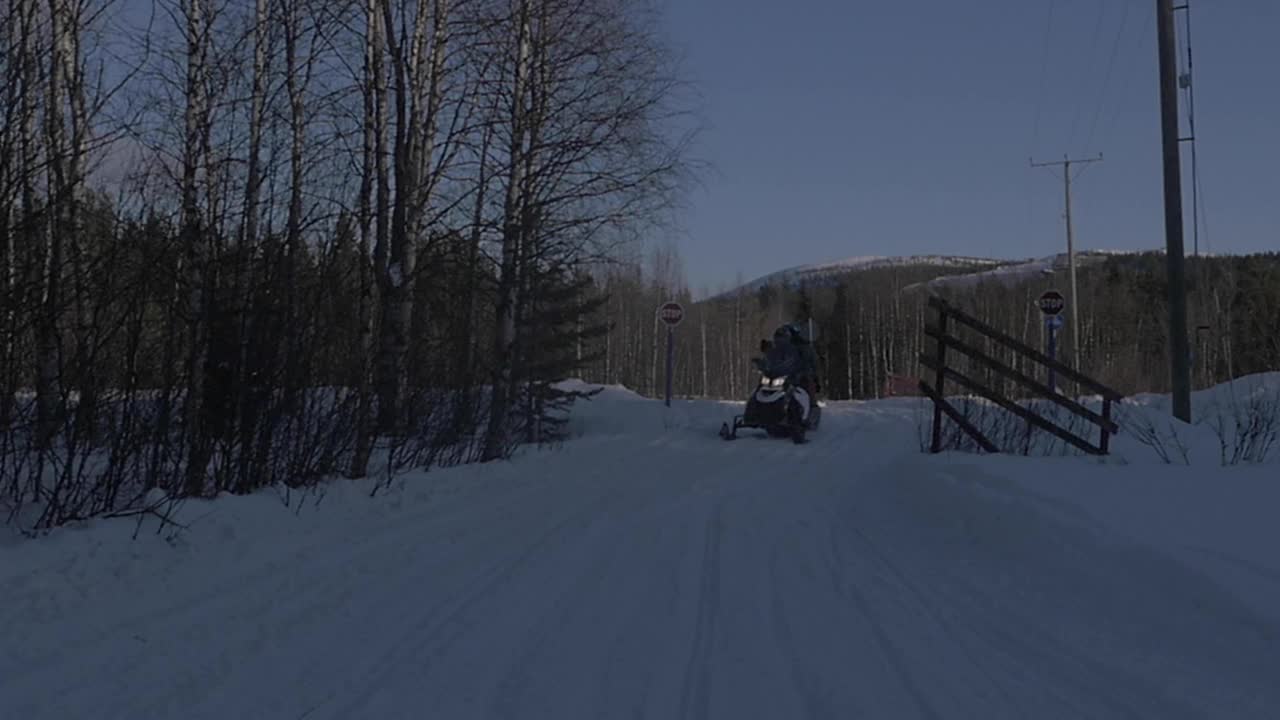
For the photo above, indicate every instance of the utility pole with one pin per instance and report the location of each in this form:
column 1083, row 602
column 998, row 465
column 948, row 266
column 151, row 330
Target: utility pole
column 1179, row 349
column 1066, row 164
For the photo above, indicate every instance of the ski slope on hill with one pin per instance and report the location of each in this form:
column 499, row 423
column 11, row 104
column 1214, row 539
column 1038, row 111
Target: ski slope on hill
column 648, row 569
column 819, row 273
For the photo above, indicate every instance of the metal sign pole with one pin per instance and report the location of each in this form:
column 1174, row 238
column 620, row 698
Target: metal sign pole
column 671, row 358
column 1051, row 304
column 670, row 313
column 1052, row 350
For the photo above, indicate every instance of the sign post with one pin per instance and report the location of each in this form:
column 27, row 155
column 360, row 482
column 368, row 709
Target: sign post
column 1051, row 304
column 671, row 313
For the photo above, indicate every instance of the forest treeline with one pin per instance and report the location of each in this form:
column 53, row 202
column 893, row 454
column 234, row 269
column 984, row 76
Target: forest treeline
column 871, row 324
column 251, row 242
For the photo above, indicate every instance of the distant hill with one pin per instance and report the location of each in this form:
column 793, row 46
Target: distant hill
column 961, row 271
column 830, row 272
column 1015, row 273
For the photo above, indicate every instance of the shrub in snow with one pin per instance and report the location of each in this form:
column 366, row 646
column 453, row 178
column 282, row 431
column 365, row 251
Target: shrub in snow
column 1155, row 430
column 1245, row 417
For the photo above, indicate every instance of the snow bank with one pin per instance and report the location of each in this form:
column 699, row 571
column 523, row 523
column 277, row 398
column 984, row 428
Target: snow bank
column 1235, row 423
column 1205, row 492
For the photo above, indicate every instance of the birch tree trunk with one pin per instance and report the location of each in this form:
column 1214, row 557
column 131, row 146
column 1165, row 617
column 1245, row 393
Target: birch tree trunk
column 418, row 101
column 10, row 170
column 297, row 77
column 249, row 379
column 848, row 358
column 257, row 101
column 66, row 25
column 195, row 145
column 473, row 257
column 505, row 328
column 735, row 348
column 393, row 276
column 702, row 314
column 370, row 177
column 49, row 323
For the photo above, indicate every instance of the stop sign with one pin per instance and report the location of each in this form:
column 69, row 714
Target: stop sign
column 671, row 313
column 1052, row 302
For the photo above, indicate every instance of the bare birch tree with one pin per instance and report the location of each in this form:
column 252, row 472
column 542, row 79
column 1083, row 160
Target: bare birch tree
column 513, row 179
column 373, row 183
column 11, row 62
column 418, row 79
column 195, row 146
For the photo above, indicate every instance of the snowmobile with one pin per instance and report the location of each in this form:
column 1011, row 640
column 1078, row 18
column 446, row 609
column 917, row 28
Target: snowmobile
column 785, row 401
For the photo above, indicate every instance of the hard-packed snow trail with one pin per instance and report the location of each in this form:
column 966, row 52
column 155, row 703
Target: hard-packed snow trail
column 643, row 572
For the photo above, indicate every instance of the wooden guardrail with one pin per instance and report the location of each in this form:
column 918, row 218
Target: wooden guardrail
column 937, row 362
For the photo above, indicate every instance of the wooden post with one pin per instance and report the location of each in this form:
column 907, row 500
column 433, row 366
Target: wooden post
column 1104, row 443
column 1179, row 347
column 939, row 378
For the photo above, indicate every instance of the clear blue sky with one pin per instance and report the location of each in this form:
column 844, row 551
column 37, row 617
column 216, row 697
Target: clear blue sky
column 841, row 128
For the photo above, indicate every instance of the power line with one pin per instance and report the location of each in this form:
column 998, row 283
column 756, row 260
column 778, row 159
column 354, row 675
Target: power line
column 1093, row 47
column 1106, row 78
column 1143, row 40
column 1044, row 64
column 1040, row 86
column 1204, row 213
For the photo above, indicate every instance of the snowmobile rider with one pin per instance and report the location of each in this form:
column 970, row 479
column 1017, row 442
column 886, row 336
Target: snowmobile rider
column 788, row 339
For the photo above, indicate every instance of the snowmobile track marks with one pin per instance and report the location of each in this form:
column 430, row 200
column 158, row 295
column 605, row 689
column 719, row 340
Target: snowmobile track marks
column 507, row 700
column 695, row 697
column 808, row 684
column 440, row 626
column 890, row 651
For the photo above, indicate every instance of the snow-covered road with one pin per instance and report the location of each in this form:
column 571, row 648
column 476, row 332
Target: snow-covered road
column 635, row 573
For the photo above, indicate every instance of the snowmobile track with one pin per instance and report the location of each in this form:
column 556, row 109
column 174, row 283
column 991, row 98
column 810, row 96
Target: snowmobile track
column 695, row 697
column 441, row 626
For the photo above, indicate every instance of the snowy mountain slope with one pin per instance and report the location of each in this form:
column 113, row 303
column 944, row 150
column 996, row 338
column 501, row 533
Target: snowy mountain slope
column 973, row 270
column 1014, row 273
column 821, row 272
column 650, row 570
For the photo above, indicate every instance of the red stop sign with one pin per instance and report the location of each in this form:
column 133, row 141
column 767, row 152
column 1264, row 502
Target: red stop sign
column 671, row 313
column 1052, row 302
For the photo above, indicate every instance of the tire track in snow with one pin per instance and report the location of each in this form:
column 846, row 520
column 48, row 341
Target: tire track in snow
column 447, row 623
column 296, row 559
column 424, row 644
column 439, row 626
column 633, row 500
column 928, row 603
column 889, row 650
column 807, row 684
column 513, row 684
column 297, row 576
column 1080, row 683
column 294, row 576
column 695, row 698
column 927, row 606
